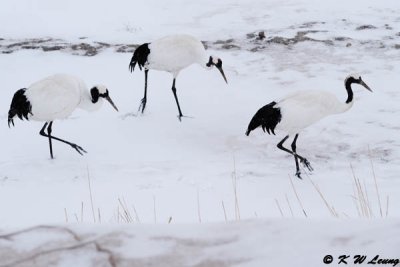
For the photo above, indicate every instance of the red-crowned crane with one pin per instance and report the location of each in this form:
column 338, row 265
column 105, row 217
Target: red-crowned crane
column 299, row 110
column 55, row 98
column 172, row 54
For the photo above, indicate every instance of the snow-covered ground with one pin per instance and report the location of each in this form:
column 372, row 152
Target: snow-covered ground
column 157, row 169
column 279, row 242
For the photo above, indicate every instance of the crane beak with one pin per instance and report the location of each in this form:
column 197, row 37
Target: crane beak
column 108, row 98
column 366, row 86
column 222, row 73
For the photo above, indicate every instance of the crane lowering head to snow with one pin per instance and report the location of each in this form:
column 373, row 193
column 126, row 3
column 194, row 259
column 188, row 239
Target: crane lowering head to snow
column 55, row 98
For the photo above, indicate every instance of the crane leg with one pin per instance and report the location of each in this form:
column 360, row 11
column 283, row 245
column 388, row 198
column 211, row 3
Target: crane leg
column 42, row 132
column 144, row 99
column 281, row 147
column 176, row 99
column 303, row 160
column 297, row 157
column 79, row 149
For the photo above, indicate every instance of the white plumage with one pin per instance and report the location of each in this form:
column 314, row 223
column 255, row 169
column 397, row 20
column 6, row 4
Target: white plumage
column 56, row 97
column 299, row 110
column 172, row 54
column 303, row 108
column 176, row 52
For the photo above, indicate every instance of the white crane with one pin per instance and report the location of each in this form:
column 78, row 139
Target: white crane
column 299, row 110
column 172, row 54
column 56, row 97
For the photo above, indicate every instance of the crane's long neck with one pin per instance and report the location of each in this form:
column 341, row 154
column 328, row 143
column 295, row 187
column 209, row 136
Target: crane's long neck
column 204, row 60
column 343, row 107
column 349, row 91
column 87, row 102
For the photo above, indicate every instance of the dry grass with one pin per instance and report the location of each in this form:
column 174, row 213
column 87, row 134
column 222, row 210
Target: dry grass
column 198, row 206
column 223, row 208
column 387, row 206
column 99, row 214
column 82, row 211
column 297, row 197
column 90, row 192
column 290, row 206
column 328, row 206
column 279, row 207
column 361, row 199
column 136, row 214
column 234, row 184
column 376, row 183
column 154, row 209
column 360, row 195
column 66, row 215
column 363, row 202
column 125, row 214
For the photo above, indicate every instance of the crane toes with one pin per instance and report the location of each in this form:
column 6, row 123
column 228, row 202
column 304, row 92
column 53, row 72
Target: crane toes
column 306, row 164
column 298, row 174
column 183, row 116
column 78, row 149
column 142, row 105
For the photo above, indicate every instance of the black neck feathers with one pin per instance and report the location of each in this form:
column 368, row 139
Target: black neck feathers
column 347, row 84
column 94, row 92
column 210, row 62
column 20, row 106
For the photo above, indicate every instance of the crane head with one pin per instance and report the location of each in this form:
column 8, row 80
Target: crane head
column 217, row 62
column 355, row 78
column 101, row 91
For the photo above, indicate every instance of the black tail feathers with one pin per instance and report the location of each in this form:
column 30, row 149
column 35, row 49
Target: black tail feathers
column 267, row 117
column 20, row 106
column 139, row 56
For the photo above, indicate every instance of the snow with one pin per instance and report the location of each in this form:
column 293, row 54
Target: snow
column 277, row 242
column 159, row 169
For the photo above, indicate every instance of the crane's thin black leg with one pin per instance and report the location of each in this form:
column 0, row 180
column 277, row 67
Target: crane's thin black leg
column 281, row 147
column 176, row 99
column 49, row 130
column 303, row 160
column 79, row 149
column 144, row 99
column 295, row 157
column 43, row 133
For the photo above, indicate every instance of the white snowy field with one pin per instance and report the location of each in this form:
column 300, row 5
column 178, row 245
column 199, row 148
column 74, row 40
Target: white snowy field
column 159, row 170
column 276, row 242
